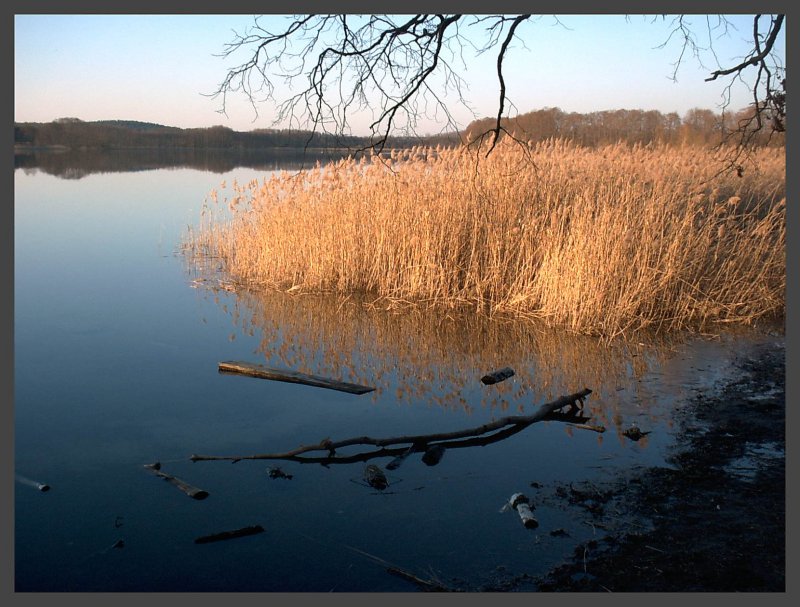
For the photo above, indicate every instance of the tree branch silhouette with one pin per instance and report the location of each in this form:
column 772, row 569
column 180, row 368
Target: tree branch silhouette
column 402, row 69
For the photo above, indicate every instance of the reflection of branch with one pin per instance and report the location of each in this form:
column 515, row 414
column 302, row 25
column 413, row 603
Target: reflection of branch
column 547, row 411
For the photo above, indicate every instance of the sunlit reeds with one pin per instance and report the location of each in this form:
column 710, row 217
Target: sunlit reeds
column 603, row 241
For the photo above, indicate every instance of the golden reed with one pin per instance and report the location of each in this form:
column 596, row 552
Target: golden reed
column 605, row 241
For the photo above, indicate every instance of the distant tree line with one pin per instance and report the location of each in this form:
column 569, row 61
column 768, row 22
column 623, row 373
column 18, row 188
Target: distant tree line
column 119, row 134
column 698, row 126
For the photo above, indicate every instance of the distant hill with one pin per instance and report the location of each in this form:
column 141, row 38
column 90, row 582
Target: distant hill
column 73, row 133
column 135, row 125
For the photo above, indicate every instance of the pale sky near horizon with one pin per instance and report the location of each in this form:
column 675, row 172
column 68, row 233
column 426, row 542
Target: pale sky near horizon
column 156, row 68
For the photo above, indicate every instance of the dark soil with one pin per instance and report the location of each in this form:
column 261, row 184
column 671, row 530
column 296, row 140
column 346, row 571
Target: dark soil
column 715, row 519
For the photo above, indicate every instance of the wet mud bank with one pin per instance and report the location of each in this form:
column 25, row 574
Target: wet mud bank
column 713, row 519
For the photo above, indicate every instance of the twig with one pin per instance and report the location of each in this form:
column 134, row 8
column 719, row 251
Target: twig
column 426, row 585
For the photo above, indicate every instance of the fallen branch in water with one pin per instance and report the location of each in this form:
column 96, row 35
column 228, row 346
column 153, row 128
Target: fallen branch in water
column 547, row 411
column 254, row 370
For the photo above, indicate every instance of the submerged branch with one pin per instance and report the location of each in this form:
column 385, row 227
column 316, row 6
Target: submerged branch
column 516, row 423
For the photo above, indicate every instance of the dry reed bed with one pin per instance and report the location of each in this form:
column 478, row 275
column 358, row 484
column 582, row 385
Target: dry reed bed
column 603, row 241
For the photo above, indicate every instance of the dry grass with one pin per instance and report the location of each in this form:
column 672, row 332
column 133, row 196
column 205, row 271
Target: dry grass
column 603, row 241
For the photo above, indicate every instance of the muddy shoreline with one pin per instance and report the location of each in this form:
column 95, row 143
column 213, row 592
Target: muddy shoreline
column 714, row 518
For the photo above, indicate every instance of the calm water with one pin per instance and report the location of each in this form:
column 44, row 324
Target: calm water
column 117, row 343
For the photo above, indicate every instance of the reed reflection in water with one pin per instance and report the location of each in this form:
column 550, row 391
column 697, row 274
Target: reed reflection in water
column 419, row 357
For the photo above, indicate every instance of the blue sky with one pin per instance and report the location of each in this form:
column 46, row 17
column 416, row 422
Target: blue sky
column 156, row 68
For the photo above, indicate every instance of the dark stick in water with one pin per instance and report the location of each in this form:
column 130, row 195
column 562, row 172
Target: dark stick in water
column 227, row 535
column 193, row 492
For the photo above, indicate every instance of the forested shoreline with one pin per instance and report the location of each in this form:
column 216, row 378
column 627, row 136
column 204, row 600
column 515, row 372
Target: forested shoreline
column 697, row 126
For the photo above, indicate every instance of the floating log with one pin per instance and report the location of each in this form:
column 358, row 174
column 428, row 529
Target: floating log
column 521, row 504
column 497, row 376
column 260, row 371
column 228, row 535
column 193, row 492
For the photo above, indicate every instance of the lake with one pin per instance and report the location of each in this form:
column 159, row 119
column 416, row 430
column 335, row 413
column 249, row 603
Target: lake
column 117, row 341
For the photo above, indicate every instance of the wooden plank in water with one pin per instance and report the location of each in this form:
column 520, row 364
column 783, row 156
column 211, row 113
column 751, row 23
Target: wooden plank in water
column 253, row 370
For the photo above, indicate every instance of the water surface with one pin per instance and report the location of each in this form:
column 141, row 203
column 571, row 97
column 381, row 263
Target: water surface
column 117, row 343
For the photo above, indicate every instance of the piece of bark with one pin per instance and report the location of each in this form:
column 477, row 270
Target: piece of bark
column 497, row 376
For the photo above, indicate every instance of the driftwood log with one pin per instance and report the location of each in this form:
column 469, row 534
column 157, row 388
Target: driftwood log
column 505, row 427
column 253, row 370
column 193, row 492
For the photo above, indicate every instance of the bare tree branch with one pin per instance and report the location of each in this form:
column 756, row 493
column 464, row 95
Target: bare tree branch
column 767, row 112
column 500, row 57
column 761, row 55
column 402, row 69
